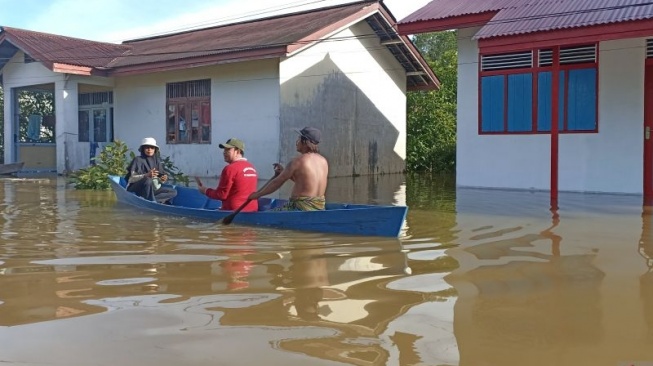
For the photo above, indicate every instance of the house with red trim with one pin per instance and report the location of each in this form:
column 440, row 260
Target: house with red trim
column 552, row 95
column 343, row 69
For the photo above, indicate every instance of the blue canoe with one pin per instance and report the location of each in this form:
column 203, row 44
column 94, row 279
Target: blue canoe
column 369, row 220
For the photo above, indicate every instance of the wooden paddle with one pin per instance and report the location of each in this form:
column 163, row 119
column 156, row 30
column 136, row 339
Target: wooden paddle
column 229, row 218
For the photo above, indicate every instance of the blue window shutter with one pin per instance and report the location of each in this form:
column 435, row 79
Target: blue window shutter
column 561, row 102
column 492, row 103
column 581, row 112
column 544, row 106
column 520, row 102
column 544, row 101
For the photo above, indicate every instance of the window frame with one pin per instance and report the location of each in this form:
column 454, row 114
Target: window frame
column 535, row 70
column 191, row 96
column 90, row 103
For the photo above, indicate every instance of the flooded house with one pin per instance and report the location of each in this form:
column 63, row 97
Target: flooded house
column 343, row 69
column 551, row 95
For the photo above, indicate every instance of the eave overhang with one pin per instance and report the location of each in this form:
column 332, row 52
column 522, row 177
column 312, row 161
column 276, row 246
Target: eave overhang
column 438, row 25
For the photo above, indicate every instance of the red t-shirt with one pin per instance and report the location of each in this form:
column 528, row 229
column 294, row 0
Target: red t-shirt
column 237, row 181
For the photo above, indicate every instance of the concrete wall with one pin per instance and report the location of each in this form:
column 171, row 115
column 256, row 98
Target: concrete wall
column 76, row 153
column 244, row 104
column 608, row 161
column 353, row 89
column 17, row 74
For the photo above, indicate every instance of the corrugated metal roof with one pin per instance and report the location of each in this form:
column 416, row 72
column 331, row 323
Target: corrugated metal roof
column 440, row 9
column 270, row 37
column 564, row 14
column 527, row 16
column 51, row 48
column 278, row 31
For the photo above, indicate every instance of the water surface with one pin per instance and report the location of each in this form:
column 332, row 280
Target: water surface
column 479, row 277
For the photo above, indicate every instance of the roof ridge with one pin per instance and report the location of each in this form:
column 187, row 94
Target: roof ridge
column 278, row 16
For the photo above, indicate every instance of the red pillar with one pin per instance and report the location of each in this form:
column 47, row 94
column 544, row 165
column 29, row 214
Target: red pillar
column 555, row 108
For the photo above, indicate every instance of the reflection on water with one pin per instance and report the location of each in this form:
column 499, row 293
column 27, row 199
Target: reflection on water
column 479, row 278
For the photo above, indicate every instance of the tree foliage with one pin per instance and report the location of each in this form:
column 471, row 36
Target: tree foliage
column 431, row 119
column 111, row 161
column 36, row 103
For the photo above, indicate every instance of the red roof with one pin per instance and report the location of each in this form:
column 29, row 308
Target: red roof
column 276, row 36
column 270, row 33
column 440, row 9
column 515, row 17
column 50, row 48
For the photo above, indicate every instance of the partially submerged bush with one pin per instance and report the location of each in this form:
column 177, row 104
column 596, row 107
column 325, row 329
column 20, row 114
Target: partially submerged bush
column 113, row 160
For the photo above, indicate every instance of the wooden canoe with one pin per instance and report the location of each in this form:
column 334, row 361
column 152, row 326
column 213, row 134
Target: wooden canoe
column 11, row 168
column 341, row 218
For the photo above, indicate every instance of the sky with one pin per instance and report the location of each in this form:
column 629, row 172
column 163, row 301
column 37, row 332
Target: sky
column 120, row 20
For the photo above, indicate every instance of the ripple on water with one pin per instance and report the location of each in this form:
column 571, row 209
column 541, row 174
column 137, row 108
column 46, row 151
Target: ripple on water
column 130, row 259
column 433, row 282
column 126, row 281
column 427, row 255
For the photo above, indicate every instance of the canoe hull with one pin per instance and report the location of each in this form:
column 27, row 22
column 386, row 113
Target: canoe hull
column 11, row 168
column 368, row 220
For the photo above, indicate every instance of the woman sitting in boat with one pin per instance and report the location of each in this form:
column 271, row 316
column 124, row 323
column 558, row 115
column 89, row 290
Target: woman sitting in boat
column 146, row 174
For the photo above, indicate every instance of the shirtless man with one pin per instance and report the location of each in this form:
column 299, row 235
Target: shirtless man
column 308, row 171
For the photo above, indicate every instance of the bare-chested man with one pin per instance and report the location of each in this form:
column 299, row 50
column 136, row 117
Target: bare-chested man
column 308, row 171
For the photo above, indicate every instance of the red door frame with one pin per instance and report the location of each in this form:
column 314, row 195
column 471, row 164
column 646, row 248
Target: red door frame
column 648, row 130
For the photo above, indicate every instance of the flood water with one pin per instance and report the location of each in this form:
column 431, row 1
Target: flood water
column 479, row 277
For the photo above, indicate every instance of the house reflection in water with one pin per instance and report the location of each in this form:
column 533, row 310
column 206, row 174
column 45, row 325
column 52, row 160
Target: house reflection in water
column 646, row 280
column 537, row 293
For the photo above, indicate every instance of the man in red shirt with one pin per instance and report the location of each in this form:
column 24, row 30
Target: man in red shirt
column 237, row 181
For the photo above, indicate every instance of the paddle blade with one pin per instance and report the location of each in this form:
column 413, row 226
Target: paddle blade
column 229, row 218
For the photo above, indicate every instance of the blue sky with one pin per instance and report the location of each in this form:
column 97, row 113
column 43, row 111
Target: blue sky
column 118, row 20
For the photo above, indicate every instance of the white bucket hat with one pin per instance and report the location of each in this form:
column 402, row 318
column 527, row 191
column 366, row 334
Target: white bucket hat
column 149, row 141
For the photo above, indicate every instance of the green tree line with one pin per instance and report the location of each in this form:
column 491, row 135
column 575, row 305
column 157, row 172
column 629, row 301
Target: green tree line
column 431, row 115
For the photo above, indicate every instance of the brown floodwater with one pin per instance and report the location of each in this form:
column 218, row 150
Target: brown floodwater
column 479, row 277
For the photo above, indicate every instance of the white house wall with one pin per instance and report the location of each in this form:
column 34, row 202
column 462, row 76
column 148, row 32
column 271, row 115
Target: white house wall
column 17, row 74
column 244, row 104
column 353, row 89
column 608, row 161
column 77, row 154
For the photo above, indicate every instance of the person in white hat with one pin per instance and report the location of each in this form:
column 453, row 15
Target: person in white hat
column 146, row 174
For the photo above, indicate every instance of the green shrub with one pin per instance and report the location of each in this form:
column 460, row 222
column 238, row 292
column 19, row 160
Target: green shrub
column 113, row 160
column 176, row 176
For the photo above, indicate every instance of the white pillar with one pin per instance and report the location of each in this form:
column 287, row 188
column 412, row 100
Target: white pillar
column 9, row 124
column 65, row 101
